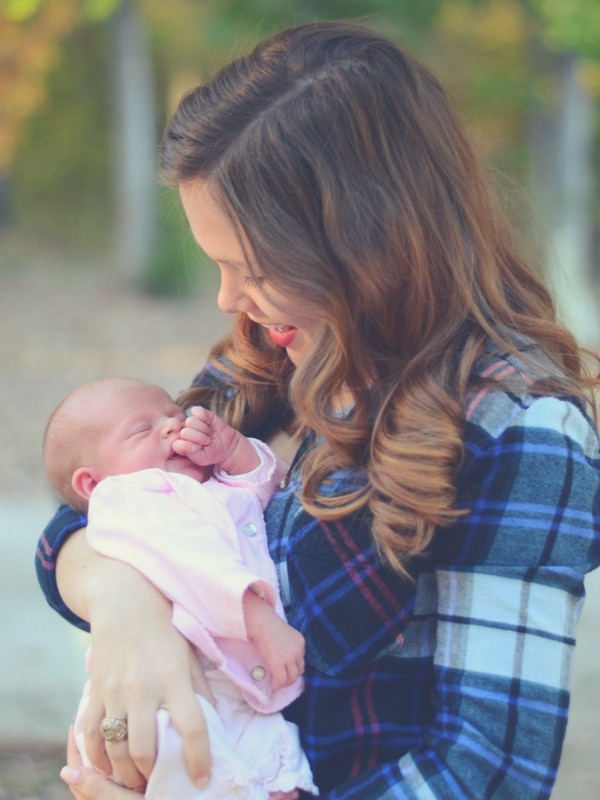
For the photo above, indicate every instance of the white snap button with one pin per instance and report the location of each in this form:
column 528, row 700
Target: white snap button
column 250, row 529
column 258, row 673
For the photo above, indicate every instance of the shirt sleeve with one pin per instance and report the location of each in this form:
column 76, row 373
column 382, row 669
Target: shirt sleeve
column 65, row 522
column 263, row 480
column 504, row 597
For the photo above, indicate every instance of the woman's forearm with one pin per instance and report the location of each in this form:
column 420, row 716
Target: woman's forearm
column 75, row 563
column 136, row 667
column 90, row 583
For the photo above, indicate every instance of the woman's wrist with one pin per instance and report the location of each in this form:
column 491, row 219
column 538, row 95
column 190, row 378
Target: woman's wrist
column 115, row 590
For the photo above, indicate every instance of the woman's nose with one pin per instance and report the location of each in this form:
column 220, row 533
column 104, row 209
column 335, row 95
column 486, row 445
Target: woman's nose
column 232, row 297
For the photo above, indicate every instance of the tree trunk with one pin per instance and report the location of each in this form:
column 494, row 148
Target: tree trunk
column 562, row 157
column 5, row 205
column 134, row 127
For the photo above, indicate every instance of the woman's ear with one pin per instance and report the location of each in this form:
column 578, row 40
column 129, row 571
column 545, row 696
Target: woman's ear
column 84, row 480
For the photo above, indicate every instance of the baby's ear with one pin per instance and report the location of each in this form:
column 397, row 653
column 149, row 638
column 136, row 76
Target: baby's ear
column 84, row 480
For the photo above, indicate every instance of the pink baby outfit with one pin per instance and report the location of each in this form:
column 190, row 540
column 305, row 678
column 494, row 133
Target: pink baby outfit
column 203, row 545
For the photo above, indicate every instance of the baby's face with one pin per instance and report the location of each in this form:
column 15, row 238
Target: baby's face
column 141, row 424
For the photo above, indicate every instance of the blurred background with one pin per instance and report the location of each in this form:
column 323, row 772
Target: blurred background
column 98, row 274
column 86, row 86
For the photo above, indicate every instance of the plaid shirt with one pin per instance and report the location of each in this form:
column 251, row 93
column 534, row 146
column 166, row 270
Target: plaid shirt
column 456, row 686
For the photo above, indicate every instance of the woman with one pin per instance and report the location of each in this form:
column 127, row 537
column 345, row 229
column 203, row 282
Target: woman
column 441, row 509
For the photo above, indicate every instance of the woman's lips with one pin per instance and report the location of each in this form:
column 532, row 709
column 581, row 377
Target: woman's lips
column 283, row 335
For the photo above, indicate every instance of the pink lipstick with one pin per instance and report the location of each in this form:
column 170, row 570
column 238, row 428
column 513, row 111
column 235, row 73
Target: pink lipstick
column 283, row 335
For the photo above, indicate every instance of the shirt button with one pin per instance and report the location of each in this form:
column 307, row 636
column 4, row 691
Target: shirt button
column 258, row 673
column 250, row 529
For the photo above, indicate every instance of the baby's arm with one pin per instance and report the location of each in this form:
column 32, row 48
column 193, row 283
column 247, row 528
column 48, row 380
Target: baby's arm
column 207, row 439
column 280, row 646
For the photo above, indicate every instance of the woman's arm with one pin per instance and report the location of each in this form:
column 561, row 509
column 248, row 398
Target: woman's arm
column 149, row 662
column 137, row 667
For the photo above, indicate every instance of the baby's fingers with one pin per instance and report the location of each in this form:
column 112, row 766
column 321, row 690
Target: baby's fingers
column 194, row 428
column 200, row 414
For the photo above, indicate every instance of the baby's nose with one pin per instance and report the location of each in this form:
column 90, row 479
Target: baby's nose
column 171, row 425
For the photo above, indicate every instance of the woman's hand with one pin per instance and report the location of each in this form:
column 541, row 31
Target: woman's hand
column 86, row 784
column 140, row 662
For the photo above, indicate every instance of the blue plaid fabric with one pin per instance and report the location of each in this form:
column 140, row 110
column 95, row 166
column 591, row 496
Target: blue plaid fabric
column 65, row 522
column 457, row 685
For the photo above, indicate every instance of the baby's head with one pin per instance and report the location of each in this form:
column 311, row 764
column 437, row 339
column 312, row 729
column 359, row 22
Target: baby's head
column 109, row 427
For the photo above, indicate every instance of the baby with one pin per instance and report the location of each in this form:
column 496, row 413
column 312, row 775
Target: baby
column 180, row 497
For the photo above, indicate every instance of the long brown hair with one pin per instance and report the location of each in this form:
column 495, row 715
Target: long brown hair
column 350, row 173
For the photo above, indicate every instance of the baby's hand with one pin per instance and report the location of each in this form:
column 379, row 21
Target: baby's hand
column 280, row 646
column 206, row 439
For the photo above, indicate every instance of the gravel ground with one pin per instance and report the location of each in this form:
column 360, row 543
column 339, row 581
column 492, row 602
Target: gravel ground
column 32, row 774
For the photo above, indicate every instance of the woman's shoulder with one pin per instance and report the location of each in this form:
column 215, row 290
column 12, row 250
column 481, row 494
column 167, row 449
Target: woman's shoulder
column 529, row 481
column 506, row 397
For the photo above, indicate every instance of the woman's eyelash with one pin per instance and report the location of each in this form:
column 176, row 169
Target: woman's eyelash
column 250, row 281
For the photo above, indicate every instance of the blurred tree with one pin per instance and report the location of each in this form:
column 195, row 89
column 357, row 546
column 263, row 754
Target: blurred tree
column 61, row 173
column 30, row 32
column 501, row 60
column 35, row 35
column 570, row 27
column 134, row 142
column 526, row 65
column 565, row 43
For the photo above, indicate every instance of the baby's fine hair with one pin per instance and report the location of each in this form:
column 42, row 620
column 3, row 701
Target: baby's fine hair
column 72, row 433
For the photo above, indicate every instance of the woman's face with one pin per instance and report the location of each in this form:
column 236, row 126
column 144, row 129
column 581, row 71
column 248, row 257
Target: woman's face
column 288, row 321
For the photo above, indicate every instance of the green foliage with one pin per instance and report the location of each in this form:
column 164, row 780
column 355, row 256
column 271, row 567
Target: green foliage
column 572, row 26
column 177, row 266
column 229, row 19
column 60, row 176
column 98, row 10
column 20, row 10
